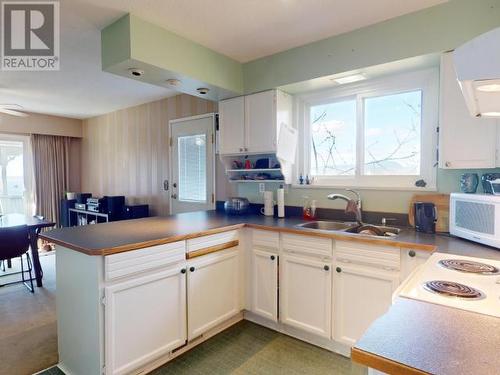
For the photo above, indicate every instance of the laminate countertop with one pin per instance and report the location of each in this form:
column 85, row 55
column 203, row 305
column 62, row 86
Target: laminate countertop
column 416, row 337
column 120, row 236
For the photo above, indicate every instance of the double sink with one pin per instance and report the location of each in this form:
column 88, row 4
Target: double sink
column 352, row 227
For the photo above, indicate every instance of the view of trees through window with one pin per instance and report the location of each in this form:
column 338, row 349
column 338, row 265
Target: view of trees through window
column 391, row 131
column 12, row 177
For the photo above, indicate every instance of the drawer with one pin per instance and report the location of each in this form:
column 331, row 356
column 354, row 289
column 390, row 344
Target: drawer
column 265, row 239
column 385, row 257
column 136, row 261
column 211, row 240
column 296, row 243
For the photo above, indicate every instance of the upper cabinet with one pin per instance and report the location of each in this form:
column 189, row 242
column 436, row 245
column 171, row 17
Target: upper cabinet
column 250, row 124
column 464, row 141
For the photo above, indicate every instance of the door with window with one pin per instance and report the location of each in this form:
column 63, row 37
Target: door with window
column 15, row 175
column 192, row 164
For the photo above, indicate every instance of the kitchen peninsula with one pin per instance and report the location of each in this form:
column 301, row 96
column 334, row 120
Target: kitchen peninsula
column 156, row 287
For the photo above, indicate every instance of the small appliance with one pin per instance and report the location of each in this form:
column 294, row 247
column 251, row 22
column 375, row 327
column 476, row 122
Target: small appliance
column 268, row 209
column 135, row 212
column 476, row 217
column 236, row 206
column 486, row 181
column 425, row 217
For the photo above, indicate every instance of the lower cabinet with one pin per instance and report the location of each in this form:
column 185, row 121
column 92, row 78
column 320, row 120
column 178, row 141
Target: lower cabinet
column 213, row 290
column 306, row 294
column 411, row 259
column 145, row 318
column 265, row 284
column 361, row 295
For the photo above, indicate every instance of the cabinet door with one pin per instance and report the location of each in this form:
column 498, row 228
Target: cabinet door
column 464, row 141
column 213, row 290
column 265, row 284
column 232, row 126
column 411, row 259
column 145, row 318
column 260, row 121
column 306, row 294
column 361, row 295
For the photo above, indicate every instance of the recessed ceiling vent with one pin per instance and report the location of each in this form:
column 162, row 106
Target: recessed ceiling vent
column 136, row 72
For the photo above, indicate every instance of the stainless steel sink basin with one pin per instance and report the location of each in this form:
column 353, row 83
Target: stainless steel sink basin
column 352, row 227
column 329, row 225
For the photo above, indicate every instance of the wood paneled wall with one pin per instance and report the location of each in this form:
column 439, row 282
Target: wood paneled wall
column 126, row 152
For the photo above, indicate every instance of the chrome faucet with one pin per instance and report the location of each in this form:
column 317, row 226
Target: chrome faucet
column 353, row 205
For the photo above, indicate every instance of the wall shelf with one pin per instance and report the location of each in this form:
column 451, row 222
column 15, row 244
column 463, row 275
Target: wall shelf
column 254, row 170
column 247, row 181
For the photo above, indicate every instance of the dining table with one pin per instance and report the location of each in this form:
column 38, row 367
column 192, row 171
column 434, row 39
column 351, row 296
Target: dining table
column 35, row 224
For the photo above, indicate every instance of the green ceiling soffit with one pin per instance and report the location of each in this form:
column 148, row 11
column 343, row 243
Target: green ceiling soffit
column 436, row 29
column 133, row 43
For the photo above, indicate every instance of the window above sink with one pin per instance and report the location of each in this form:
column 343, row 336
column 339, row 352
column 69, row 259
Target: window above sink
column 379, row 133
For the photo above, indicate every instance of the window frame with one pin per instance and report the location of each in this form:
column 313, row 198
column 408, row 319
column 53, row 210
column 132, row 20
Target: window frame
column 425, row 80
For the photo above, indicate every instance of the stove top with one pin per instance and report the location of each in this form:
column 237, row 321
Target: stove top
column 466, row 283
column 452, row 289
column 469, row 266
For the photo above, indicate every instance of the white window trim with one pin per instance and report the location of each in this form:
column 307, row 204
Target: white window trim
column 425, row 80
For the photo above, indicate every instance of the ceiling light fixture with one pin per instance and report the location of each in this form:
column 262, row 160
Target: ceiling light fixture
column 490, row 87
column 203, row 90
column 173, row 82
column 136, row 72
column 490, row 114
column 349, row 79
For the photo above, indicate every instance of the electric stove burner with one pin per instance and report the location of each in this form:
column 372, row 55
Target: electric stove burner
column 452, row 289
column 469, row 266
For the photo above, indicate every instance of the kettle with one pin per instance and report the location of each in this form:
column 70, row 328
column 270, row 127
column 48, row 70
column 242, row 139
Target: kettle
column 425, row 217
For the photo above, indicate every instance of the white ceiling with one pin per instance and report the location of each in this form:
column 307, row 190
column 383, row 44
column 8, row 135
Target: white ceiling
column 242, row 29
column 80, row 89
column 248, row 29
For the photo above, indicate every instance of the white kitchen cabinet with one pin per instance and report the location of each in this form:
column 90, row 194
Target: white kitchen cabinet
column 250, row 124
column 306, row 294
column 260, row 121
column 411, row 259
column 145, row 318
column 232, row 126
column 265, row 284
column 464, row 141
column 361, row 295
column 213, row 290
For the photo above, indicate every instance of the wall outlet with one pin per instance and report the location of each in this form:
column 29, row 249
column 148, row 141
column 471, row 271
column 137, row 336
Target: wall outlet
column 262, row 188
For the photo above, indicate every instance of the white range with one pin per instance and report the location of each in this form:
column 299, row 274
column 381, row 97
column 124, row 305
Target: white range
column 466, row 283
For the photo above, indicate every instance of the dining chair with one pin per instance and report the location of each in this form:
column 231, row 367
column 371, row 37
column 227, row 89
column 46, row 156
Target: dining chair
column 15, row 243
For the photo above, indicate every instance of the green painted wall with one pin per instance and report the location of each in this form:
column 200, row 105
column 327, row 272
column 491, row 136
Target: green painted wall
column 373, row 200
column 431, row 30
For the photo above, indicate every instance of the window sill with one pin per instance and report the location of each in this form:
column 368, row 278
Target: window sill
column 384, row 188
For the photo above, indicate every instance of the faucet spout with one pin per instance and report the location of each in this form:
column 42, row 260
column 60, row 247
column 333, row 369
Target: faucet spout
column 352, row 206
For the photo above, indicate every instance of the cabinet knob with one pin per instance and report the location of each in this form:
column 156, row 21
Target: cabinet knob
column 191, row 269
column 183, row 270
column 246, row 149
column 241, row 149
column 412, row 253
column 447, row 164
column 326, row 268
column 338, row 269
column 273, row 257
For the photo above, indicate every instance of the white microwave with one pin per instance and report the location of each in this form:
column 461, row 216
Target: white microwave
column 476, row 217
